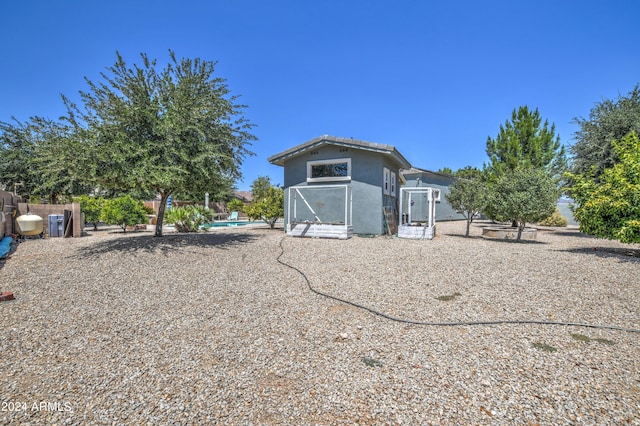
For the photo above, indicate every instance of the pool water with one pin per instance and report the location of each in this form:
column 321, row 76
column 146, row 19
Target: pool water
column 224, row 223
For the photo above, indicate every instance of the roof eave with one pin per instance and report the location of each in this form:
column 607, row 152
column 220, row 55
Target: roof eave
column 279, row 159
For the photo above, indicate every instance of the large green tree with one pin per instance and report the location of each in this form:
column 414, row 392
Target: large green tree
column 526, row 141
column 609, row 206
column 177, row 130
column 608, row 120
column 16, row 151
column 34, row 154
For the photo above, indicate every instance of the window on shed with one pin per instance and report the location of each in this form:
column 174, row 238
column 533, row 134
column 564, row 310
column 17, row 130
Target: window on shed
column 385, row 181
column 329, row 170
column 393, row 184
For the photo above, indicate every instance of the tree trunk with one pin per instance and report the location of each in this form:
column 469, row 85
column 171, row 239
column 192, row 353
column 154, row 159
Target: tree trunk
column 520, row 229
column 163, row 204
column 468, row 225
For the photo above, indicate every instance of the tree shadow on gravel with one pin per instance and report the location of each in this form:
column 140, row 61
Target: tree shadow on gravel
column 166, row 245
column 494, row 240
column 623, row 254
column 569, row 233
column 470, row 237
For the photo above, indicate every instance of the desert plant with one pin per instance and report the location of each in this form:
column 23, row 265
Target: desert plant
column 556, row 219
column 188, row 218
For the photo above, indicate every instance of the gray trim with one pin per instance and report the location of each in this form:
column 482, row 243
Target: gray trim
column 280, row 158
column 415, row 171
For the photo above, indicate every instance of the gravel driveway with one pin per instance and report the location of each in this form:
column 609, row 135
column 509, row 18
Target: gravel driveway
column 212, row 329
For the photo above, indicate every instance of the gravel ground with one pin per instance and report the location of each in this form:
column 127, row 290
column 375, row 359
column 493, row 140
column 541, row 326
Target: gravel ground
column 211, row 329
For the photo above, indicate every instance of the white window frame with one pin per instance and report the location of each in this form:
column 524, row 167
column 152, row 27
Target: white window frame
column 310, row 164
column 385, row 180
column 393, row 184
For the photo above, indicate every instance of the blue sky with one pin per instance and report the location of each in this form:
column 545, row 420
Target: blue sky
column 433, row 78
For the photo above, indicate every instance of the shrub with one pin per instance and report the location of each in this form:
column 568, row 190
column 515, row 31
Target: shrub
column 269, row 207
column 523, row 195
column 609, row 206
column 235, row 205
column 556, row 219
column 92, row 209
column 188, row 218
column 124, row 211
column 468, row 196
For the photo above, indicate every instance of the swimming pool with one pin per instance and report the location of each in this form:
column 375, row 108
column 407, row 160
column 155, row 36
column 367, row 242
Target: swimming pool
column 224, row 223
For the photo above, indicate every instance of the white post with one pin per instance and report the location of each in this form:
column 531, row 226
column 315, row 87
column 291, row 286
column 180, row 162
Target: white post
column 206, row 200
column 288, row 224
column 346, row 205
column 430, row 199
column 401, row 209
column 350, row 206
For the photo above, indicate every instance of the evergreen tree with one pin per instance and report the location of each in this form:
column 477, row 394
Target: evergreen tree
column 525, row 141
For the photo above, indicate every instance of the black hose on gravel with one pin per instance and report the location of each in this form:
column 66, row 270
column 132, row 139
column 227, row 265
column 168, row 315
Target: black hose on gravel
column 441, row 324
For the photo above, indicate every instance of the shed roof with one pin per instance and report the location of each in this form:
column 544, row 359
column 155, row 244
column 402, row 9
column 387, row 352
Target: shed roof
column 390, row 150
column 243, row 196
column 415, row 170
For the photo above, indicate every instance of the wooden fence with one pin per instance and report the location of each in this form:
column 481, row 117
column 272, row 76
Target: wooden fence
column 9, row 204
column 14, row 207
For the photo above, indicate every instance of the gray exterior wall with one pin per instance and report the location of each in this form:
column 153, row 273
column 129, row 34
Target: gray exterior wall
column 564, row 206
column 444, row 211
column 366, row 184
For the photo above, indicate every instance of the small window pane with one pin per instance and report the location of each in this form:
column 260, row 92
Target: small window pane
column 329, row 170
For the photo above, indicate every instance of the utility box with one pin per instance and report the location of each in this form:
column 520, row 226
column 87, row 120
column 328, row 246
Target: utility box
column 56, row 225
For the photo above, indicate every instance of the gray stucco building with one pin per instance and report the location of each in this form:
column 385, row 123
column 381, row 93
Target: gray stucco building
column 343, row 184
column 415, row 177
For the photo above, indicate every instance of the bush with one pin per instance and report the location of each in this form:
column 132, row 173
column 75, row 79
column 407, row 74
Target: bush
column 556, row 219
column 269, row 207
column 609, row 206
column 124, row 211
column 523, row 195
column 468, row 196
column 92, row 209
column 235, row 205
column 188, row 218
